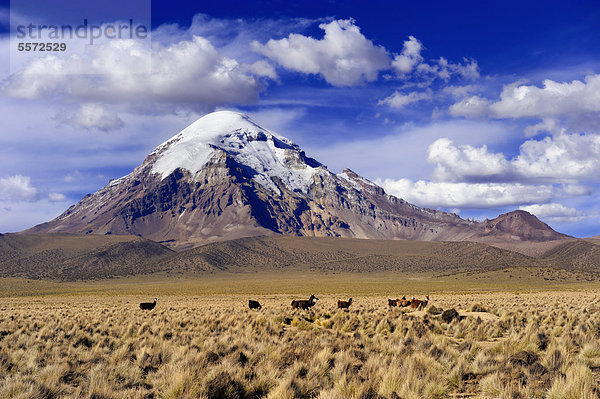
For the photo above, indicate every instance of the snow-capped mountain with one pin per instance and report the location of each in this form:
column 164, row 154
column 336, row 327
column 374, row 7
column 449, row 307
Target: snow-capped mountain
column 225, row 177
column 266, row 153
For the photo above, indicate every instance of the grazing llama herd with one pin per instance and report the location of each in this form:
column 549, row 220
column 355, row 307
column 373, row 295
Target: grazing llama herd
column 414, row 303
column 306, row 304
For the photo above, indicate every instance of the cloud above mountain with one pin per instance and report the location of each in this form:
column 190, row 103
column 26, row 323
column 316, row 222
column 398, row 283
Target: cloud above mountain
column 410, row 56
column 564, row 157
column 343, row 57
column 467, row 195
column 189, row 72
column 553, row 99
column 399, row 100
column 467, row 176
column 17, row 188
column 554, row 212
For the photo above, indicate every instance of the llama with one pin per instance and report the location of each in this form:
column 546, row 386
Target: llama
column 415, row 303
column 254, row 304
column 148, row 305
column 344, row 304
column 403, row 302
column 418, row 304
column 303, row 303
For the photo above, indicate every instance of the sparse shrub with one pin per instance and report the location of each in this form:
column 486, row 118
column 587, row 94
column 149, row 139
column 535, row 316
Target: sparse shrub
column 351, row 324
column 449, row 315
column 590, row 354
column 491, row 385
column 431, row 309
column 523, row 359
column 327, row 323
column 384, row 327
column 224, row 386
column 578, row 383
column 542, row 341
column 477, row 307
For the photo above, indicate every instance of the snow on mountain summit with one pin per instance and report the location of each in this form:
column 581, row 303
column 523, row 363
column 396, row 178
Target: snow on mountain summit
column 265, row 152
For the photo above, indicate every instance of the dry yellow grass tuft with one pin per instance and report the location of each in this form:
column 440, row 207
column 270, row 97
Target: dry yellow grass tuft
column 530, row 345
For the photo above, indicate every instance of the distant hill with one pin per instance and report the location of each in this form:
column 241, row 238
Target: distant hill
column 344, row 254
column 575, row 255
column 535, row 249
column 87, row 257
column 77, row 257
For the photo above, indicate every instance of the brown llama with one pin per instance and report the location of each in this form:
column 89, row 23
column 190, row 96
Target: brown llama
column 304, row 303
column 403, row 302
column 344, row 304
column 415, row 303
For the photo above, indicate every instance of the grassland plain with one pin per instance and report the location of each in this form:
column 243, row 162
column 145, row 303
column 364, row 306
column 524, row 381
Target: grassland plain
column 91, row 340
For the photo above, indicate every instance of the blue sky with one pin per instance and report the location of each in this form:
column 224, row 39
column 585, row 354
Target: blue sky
column 474, row 107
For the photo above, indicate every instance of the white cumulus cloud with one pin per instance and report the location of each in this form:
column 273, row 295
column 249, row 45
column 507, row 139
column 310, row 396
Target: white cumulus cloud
column 465, row 162
column 549, row 125
column 555, row 213
column 410, row 56
column 466, row 195
column 470, row 107
column 190, row 73
column 399, row 100
column 564, row 157
column 552, row 99
column 56, row 197
column 468, row 176
column 444, row 70
column 460, row 91
column 90, row 116
column 263, row 68
column 17, row 188
column 344, row 56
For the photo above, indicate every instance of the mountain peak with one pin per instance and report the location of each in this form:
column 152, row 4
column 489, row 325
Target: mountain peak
column 262, row 153
column 219, row 123
column 523, row 225
column 224, row 131
column 213, row 128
